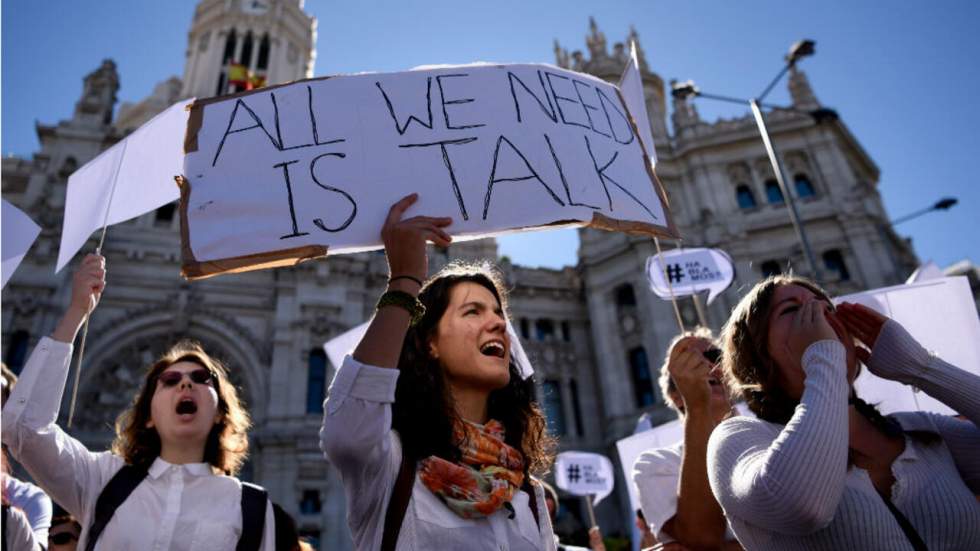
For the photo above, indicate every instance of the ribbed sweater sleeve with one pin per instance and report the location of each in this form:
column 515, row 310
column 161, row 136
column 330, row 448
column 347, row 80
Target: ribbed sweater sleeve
column 898, row 356
column 788, row 479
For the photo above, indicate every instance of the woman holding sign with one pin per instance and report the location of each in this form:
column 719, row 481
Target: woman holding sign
column 430, row 424
column 822, row 469
column 168, row 481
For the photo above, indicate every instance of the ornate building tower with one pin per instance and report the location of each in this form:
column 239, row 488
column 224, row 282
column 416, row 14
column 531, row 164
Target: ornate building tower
column 274, row 39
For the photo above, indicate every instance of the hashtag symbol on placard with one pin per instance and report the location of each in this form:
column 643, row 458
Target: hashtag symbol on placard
column 675, row 273
column 573, row 473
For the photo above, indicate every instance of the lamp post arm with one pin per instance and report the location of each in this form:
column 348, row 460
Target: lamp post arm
column 912, row 215
column 772, row 84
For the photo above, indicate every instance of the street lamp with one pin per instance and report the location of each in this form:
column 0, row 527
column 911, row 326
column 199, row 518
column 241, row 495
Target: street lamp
column 945, row 203
column 799, row 50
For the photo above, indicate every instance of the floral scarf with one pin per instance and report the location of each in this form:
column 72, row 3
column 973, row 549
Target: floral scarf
column 486, row 477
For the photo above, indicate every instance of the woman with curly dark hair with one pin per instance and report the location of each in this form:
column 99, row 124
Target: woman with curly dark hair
column 168, row 482
column 822, row 469
column 430, row 424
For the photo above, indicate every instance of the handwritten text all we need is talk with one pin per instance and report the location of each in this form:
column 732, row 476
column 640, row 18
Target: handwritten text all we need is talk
column 432, row 106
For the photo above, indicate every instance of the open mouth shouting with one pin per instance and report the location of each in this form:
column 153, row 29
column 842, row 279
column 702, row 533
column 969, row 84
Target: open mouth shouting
column 494, row 348
column 186, row 408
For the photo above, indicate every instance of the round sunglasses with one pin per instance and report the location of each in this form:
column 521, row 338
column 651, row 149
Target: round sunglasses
column 199, row 376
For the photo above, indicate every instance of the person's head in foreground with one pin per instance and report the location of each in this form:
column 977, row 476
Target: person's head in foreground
column 186, row 411
column 456, row 366
column 693, row 357
column 64, row 533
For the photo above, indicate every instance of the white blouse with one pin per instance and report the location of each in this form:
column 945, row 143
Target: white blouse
column 357, row 438
column 176, row 507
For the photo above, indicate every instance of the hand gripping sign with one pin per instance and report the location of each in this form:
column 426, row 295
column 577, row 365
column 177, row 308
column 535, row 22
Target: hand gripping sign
column 285, row 173
column 683, row 272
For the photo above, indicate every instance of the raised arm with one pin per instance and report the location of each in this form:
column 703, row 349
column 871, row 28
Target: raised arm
column 790, row 479
column 896, row 355
column 699, row 522
column 356, row 433
column 61, row 465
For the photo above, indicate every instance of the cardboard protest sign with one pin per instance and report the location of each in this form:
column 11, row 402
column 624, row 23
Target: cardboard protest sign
column 345, row 343
column 19, row 233
column 282, row 174
column 585, row 474
column 683, row 272
column 941, row 315
column 133, row 177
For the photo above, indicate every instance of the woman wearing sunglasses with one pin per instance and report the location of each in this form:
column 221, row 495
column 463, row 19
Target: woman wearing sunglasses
column 169, row 475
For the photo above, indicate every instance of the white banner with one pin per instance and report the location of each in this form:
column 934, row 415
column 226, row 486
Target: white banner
column 585, row 474
column 942, row 316
column 141, row 167
column 19, row 233
column 690, row 271
column 282, row 174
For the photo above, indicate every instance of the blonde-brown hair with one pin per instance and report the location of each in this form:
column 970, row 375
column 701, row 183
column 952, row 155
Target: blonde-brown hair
column 748, row 368
column 227, row 444
column 666, row 383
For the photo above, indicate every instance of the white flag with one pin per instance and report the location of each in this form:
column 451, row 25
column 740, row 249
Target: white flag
column 584, row 474
column 631, row 86
column 142, row 167
column 19, row 233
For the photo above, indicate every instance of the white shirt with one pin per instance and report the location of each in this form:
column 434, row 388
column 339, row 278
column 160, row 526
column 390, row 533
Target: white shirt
column 18, row 534
column 657, row 474
column 176, row 507
column 33, row 501
column 357, row 438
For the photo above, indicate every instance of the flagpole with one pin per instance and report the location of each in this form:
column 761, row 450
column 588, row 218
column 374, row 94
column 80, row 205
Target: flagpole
column 670, row 286
column 98, row 251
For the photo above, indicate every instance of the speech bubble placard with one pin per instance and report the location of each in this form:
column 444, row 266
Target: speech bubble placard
column 683, row 272
column 585, row 474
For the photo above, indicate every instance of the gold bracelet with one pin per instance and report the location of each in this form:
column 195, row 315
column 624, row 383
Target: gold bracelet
column 406, row 302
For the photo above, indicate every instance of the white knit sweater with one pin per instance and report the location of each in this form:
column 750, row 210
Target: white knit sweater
column 790, row 487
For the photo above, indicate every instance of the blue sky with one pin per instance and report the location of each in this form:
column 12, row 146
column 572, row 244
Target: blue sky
column 902, row 75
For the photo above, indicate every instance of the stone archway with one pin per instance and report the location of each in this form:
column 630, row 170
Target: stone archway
column 114, row 368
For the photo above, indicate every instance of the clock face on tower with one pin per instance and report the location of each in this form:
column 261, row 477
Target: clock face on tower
column 255, row 7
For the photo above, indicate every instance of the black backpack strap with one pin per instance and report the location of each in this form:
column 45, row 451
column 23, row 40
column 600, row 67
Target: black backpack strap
column 533, row 501
column 254, row 501
column 115, row 492
column 910, row 532
column 3, row 528
column 401, row 494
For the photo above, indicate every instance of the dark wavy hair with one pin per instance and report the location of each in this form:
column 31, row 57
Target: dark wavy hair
column 423, row 412
column 227, row 443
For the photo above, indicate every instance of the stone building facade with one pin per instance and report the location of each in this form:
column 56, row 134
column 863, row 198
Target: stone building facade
column 593, row 331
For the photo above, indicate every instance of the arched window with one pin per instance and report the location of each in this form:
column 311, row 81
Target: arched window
column 316, row 381
column 164, row 216
column 553, row 409
column 311, row 504
column 771, row 268
column 744, row 196
column 566, row 332
column 229, row 47
column 833, row 260
column 625, row 296
column 576, row 407
column 17, row 350
column 803, row 186
column 544, row 330
column 246, row 57
column 263, row 61
column 773, row 194
column 525, row 328
column 640, row 373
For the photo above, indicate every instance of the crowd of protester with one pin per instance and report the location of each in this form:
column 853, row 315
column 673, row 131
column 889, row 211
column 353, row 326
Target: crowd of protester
column 440, row 443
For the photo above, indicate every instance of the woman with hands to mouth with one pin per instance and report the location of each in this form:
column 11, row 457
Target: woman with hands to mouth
column 822, row 469
column 168, row 482
column 430, row 424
